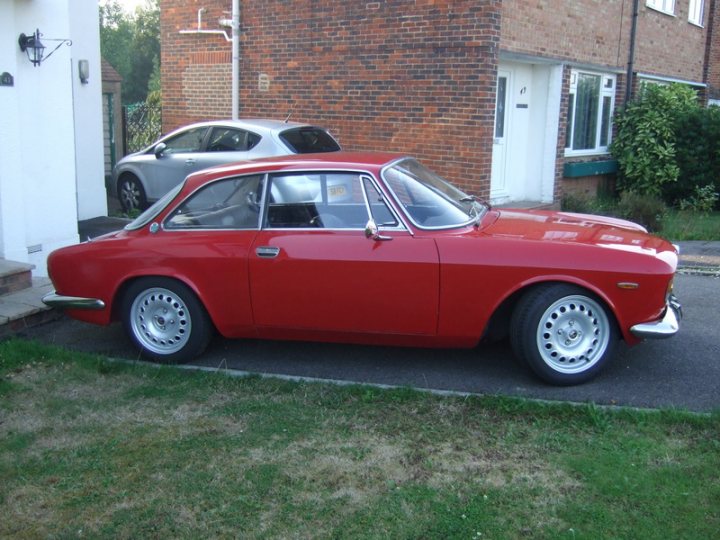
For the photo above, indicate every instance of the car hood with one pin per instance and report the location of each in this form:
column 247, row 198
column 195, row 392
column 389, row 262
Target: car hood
column 571, row 228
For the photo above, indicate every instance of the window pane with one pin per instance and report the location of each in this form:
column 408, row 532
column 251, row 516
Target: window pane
column 189, row 141
column 231, row 140
column 309, row 140
column 605, row 127
column 318, row 201
column 500, row 107
column 570, row 118
column 226, row 204
column 586, row 112
column 380, row 212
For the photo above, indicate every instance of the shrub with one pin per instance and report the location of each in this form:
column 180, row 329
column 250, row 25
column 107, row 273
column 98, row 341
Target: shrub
column 645, row 141
column 647, row 210
column 697, row 155
column 702, row 200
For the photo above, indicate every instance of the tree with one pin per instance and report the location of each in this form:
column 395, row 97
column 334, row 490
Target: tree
column 131, row 43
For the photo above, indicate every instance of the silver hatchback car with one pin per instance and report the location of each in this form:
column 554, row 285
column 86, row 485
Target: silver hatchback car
column 145, row 176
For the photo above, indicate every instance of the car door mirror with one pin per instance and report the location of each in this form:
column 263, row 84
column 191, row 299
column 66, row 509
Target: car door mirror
column 371, row 231
column 159, row 149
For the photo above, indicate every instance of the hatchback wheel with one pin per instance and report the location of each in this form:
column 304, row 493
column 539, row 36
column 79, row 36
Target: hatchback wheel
column 564, row 333
column 166, row 320
column 131, row 193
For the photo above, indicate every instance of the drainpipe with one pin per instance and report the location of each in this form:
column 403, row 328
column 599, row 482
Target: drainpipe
column 235, row 58
column 631, row 52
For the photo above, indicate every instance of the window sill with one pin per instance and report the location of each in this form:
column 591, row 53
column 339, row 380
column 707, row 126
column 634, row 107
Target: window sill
column 586, row 153
column 668, row 13
column 699, row 25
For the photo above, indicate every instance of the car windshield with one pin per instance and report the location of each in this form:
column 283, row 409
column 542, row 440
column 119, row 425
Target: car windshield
column 429, row 200
column 148, row 215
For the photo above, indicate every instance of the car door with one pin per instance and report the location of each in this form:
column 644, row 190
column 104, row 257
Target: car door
column 313, row 267
column 181, row 155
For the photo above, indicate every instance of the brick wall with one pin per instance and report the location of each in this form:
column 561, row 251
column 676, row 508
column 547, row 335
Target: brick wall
column 598, row 32
column 415, row 77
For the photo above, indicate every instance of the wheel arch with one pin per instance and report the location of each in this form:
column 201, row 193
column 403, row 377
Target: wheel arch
column 498, row 324
column 121, row 291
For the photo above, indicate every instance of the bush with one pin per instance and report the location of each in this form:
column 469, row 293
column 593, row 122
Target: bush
column 645, row 141
column 647, row 210
column 668, row 145
column 697, row 155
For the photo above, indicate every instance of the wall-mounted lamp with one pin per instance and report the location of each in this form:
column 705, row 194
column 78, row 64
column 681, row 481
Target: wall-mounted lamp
column 35, row 50
column 84, row 71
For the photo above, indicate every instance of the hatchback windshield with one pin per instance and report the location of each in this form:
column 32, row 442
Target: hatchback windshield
column 430, row 201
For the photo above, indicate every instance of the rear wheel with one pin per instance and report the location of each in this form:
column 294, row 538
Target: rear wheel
column 131, row 193
column 166, row 320
column 564, row 333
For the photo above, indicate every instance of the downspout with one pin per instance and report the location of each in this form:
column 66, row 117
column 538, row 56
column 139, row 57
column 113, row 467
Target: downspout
column 235, row 58
column 631, row 52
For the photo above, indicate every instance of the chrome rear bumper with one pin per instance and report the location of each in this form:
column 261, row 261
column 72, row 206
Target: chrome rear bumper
column 666, row 327
column 72, row 302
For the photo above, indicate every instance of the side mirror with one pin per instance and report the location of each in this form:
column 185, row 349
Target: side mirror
column 159, row 149
column 371, row 231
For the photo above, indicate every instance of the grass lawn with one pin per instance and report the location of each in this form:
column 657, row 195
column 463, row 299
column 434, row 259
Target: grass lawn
column 679, row 225
column 90, row 448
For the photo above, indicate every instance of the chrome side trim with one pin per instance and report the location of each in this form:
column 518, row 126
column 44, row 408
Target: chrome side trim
column 666, row 327
column 55, row 300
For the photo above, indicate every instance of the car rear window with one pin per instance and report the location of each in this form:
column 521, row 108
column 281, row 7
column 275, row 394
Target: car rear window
column 308, row 140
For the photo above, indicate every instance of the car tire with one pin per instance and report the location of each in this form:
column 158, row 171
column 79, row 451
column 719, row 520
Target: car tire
column 564, row 333
column 131, row 193
column 165, row 320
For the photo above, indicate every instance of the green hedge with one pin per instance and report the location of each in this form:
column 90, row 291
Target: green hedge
column 668, row 145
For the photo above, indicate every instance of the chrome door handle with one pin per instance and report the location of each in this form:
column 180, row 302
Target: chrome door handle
column 190, row 161
column 267, row 252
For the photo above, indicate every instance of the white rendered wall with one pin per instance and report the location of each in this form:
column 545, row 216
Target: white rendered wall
column 89, row 151
column 51, row 156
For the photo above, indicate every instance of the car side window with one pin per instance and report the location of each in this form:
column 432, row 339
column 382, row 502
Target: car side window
column 325, row 201
column 185, row 142
column 233, row 203
column 231, row 140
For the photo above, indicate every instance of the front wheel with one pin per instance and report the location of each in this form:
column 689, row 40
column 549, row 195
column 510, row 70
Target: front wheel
column 165, row 320
column 564, row 333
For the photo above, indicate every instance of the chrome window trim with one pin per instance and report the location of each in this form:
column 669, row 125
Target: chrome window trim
column 398, row 217
column 406, row 213
column 402, row 224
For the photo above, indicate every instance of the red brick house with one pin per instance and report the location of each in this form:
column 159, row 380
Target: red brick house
column 511, row 99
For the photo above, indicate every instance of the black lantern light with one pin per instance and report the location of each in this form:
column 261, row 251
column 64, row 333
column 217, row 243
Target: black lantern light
column 35, row 50
column 33, row 47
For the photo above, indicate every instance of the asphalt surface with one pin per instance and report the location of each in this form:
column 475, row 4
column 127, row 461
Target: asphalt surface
column 682, row 372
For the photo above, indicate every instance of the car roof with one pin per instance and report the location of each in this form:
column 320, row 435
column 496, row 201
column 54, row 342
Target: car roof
column 264, row 125
column 360, row 161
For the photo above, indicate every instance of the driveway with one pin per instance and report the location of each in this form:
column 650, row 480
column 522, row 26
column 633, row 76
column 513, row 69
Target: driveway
column 682, row 372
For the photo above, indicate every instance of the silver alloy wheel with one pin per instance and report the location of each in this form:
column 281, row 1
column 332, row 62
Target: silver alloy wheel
column 160, row 321
column 130, row 193
column 573, row 334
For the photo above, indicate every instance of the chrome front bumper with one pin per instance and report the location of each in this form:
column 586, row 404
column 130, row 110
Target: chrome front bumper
column 72, row 302
column 666, row 327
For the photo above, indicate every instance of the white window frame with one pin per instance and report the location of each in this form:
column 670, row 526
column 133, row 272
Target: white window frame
column 664, row 6
column 608, row 85
column 696, row 12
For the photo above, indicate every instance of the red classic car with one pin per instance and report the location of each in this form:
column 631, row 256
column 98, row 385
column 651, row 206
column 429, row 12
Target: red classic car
column 369, row 248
